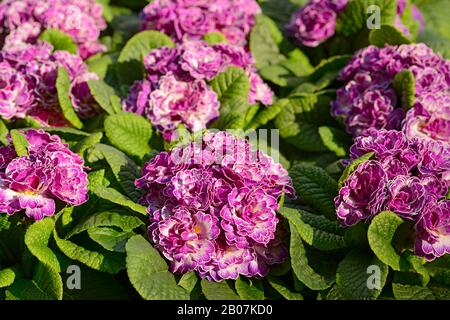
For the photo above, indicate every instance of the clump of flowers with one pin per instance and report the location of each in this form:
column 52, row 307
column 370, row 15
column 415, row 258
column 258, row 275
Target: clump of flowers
column 22, row 22
column 368, row 100
column 191, row 20
column 36, row 182
column 175, row 90
column 315, row 22
column 410, row 177
column 212, row 207
column 28, row 84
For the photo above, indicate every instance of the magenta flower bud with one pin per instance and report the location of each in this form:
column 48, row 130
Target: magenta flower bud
column 313, row 24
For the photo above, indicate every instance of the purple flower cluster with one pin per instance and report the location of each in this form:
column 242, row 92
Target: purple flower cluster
column 212, row 207
column 410, row 177
column 28, row 84
column 175, row 90
column 315, row 22
column 192, row 19
column 22, row 21
column 368, row 100
column 49, row 173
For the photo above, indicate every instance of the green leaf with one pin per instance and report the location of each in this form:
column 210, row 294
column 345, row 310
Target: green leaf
column 7, row 277
column 218, row 290
column 232, row 88
column 352, row 278
column 355, row 15
column 20, row 143
column 106, row 219
column 387, row 35
column 317, row 231
column 404, row 291
column 129, row 132
column 267, row 114
column 63, row 89
column 380, row 234
column 36, row 240
column 404, row 85
column 148, row 272
column 102, row 94
column 88, row 142
column 46, row 285
column 3, row 133
column 131, row 57
column 109, row 238
column 335, row 140
column 437, row 31
column 96, row 285
column 314, row 187
column 249, row 289
column 214, row 38
column 116, row 197
column 59, row 40
column 300, row 265
column 264, row 40
column 100, row 260
column 353, row 166
column 285, row 292
column 188, row 281
column 124, row 169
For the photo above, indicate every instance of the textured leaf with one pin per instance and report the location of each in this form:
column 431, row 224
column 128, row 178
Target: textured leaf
column 129, row 132
column 232, row 88
column 404, row 84
column 20, row 143
column 263, row 43
column 63, row 89
column 416, row 292
column 116, row 197
column 59, row 40
column 148, row 272
column 380, row 234
column 36, row 240
column 102, row 94
column 106, row 261
column 7, row 277
column 188, row 281
column 46, row 285
column 106, row 219
column 317, row 231
column 267, row 114
column 335, row 140
column 300, row 265
column 353, row 275
column 109, row 238
column 285, row 292
column 124, row 169
column 353, row 166
column 3, row 133
column 314, row 187
column 131, row 57
column 88, row 142
column 218, row 290
column 249, row 289
column 387, row 35
column 353, row 19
